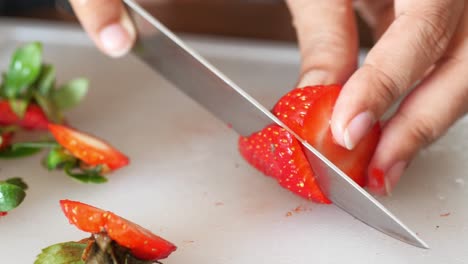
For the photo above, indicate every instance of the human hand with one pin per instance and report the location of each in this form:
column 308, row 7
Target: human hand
column 107, row 23
column 422, row 41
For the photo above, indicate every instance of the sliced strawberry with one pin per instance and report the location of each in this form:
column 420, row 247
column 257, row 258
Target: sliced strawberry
column 34, row 118
column 7, row 137
column 277, row 153
column 142, row 243
column 87, row 148
column 293, row 106
column 86, row 217
column 317, row 132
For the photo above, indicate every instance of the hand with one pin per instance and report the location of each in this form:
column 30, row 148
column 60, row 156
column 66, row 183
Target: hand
column 423, row 41
column 107, row 23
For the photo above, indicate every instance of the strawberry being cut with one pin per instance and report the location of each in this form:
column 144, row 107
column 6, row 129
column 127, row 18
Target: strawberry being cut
column 277, row 153
column 307, row 111
column 113, row 238
column 88, row 149
column 34, row 118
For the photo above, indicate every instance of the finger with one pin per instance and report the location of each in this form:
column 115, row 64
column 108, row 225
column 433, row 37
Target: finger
column 327, row 40
column 107, row 23
column 414, row 41
column 377, row 14
column 424, row 115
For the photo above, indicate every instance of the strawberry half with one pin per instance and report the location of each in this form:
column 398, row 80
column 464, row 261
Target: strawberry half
column 34, row 118
column 277, row 153
column 317, row 132
column 90, row 150
column 142, row 243
column 307, row 111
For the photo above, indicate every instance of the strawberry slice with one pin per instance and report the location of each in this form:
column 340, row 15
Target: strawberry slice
column 34, row 118
column 142, row 243
column 275, row 152
column 86, row 217
column 90, row 150
column 317, row 132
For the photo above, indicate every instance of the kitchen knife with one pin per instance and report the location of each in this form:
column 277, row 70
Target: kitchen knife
column 158, row 47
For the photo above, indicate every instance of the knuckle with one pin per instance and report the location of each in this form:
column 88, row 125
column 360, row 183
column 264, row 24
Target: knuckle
column 387, row 87
column 421, row 129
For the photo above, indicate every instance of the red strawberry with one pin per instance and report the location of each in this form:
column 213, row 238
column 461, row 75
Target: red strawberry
column 307, row 111
column 317, row 132
column 142, row 243
column 87, row 148
column 293, row 106
column 277, row 153
column 34, row 118
column 7, row 137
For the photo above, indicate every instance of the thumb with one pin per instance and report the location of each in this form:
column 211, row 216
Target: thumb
column 327, row 38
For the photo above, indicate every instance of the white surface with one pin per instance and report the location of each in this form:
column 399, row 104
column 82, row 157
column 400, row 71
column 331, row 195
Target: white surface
column 188, row 183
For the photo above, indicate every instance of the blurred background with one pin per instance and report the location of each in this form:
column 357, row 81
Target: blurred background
column 253, row 19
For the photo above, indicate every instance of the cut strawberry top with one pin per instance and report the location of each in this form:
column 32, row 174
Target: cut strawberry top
column 142, row 243
column 87, row 148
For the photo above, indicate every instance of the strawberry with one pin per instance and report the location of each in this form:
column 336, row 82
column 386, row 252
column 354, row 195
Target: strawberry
column 277, row 153
column 88, row 149
column 141, row 242
column 34, row 118
column 317, row 132
column 6, row 138
column 307, row 111
column 293, row 106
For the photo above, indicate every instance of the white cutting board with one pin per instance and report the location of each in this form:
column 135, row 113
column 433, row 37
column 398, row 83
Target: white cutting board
column 188, row 183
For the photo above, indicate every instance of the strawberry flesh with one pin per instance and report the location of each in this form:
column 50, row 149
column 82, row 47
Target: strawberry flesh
column 317, row 132
column 87, row 148
column 142, row 243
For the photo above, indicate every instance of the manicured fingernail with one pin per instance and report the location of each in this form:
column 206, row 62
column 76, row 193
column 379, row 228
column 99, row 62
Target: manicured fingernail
column 357, row 129
column 116, row 38
column 315, row 77
column 393, row 175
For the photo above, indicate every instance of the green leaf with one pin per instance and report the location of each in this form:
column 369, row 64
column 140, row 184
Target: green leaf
column 57, row 157
column 35, row 144
column 18, row 152
column 86, row 176
column 46, row 80
column 63, row 253
column 18, row 182
column 19, row 107
column 70, row 94
column 25, row 67
column 48, row 107
column 11, row 196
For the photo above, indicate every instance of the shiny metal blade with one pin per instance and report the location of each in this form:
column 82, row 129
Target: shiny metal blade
column 188, row 71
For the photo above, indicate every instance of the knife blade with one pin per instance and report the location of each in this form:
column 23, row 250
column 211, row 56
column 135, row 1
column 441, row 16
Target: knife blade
column 163, row 51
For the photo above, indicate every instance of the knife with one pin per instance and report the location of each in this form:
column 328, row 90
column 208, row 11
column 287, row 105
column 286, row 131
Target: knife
column 163, row 51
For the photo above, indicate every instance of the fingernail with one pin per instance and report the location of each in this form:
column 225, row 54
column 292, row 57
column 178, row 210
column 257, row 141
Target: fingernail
column 393, row 175
column 357, row 129
column 315, row 77
column 116, row 38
